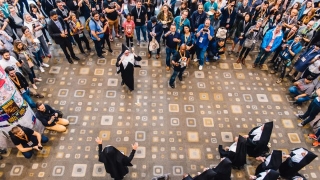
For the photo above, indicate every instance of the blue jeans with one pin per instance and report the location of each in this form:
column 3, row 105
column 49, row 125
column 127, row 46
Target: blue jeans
column 28, row 154
column 175, row 74
column 26, row 96
column 144, row 32
column 169, row 51
column 260, row 60
column 312, row 111
column 200, row 54
column 294, row 90
column 37, row 56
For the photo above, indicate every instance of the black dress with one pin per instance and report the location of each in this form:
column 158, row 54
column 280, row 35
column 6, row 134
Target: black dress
column 274, row 164
column 223, row 170
column 127, row 73
column 271, row 175
column 289, row 169
column 115, row 162
column 259, row 148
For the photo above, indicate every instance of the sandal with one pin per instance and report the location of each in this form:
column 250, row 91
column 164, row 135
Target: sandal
column 119, row 36
column 279, row 81
column 111, row 39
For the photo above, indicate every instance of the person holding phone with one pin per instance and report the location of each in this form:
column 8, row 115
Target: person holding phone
column 27, row 140
column 51, row 118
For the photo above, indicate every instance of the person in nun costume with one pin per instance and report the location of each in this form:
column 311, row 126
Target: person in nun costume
column 223, row 169
column 298, row 158
column 125, row 64
column 207, row 174
column 298, row 176
column 272, row 161
column 258, row 139
column 237, row 152
column 269, row 174
column 115, row 163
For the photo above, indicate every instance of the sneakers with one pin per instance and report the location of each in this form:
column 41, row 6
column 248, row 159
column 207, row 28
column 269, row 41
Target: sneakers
column 298, row 116
column 312, row 136
column 195, row 59
column 200, row 67
column 300, row 124
column 172, row 86
column 138, row 43
column 316, row 144
column 168, row 68
column 41, row 69
column 45, row 65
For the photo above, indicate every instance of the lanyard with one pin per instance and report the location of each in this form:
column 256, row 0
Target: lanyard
column 16, row 81
column 290, row 20
column 311, row 52
column 290, row 36
column 292, row 44
column 186, row 38
column 50, row 2
column 64, row 12
column 181, row 22
column 138, row 12
column 245, row 25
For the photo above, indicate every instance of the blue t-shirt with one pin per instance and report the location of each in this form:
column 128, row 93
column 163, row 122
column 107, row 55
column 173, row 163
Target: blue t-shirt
column 97, row 27
column 203, row 40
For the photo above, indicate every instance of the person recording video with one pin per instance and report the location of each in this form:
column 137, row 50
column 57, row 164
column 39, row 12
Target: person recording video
column 51, row 118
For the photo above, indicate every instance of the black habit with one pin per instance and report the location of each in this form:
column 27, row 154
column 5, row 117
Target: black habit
column 127, row 72
column 115, row 162
column 206, row 175
column 223, row 170
column 271, row 175
column 260, row 147
column 289, row 169
column 237, row 158
column 274, row 164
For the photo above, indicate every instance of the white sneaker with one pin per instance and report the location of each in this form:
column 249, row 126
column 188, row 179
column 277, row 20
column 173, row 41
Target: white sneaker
column 200, row 67
column 138, row 43
column 45, row 65
column 41, row 69
column 195, row 59
column 300, row 125
column 34, row 86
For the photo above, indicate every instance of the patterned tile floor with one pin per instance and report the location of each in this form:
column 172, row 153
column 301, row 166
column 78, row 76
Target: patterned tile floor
column 178, row 130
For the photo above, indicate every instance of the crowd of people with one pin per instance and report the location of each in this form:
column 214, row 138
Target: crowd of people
column 197, row 31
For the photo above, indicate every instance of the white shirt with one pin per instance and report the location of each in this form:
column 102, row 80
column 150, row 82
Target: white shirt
column 11, row 62
column 233, row 147
column 314, row 67
column 262, row 175
column 257, row 134
column 298, row 156
column 267, row 161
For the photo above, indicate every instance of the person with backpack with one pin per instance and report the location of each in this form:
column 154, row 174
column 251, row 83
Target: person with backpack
column 97, row 32
column 77, row 32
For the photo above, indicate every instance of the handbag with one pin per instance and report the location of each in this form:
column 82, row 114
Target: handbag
column 221, row 33
column 153, row 45
column 248, row 43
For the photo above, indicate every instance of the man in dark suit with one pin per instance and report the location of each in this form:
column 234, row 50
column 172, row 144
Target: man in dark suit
column 154, row 31
column 47, row 5
column 58, row 32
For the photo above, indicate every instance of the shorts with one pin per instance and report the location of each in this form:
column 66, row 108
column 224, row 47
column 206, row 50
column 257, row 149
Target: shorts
column 236, row 40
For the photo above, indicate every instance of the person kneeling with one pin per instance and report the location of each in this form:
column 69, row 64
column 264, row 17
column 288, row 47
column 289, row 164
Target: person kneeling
column 215, row 49
column 26, row 140
column 50, row 118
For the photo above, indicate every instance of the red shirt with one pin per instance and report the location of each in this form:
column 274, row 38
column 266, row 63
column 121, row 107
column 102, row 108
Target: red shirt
column 128, row 27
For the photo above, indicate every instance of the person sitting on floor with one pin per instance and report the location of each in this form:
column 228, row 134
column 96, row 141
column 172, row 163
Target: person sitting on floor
column 50, row 118
column 215, row 49
column 302, row 90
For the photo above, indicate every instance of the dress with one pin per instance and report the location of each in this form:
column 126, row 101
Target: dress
column 290, row 167
column 126, row 68
column 223, row 170
column 115, row 162
column 259, row 146
column 273, row 161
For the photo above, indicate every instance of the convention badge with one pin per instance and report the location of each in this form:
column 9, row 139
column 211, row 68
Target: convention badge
column 80, row 35
column 303, row 59
column 138, row 20
column 98, row 8
column 75, row 3
column 201, row 39
column 30, row 143
column 22, row 90
column 228, row 20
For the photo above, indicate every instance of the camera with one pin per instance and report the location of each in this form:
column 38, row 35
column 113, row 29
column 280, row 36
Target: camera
column 40, row 147
column 205, row 30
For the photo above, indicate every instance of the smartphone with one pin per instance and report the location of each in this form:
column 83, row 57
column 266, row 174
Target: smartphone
column 205, row 30
column 20, row 61
column 40, row 147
